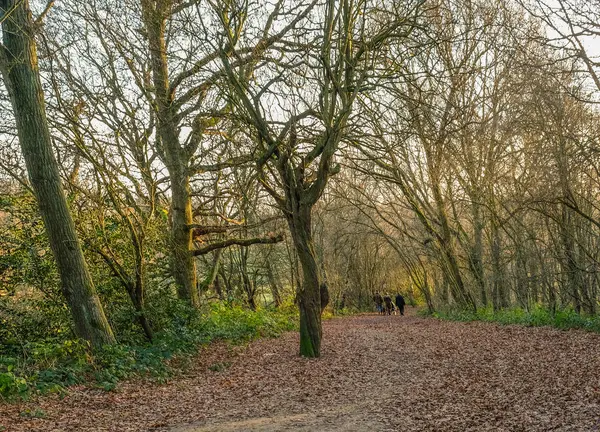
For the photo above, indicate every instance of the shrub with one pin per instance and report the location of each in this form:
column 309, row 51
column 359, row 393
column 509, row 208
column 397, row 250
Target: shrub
column 537, row 316
column 12, row 385
column 51, row 365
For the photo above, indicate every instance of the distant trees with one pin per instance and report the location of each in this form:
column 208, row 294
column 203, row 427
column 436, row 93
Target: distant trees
column 478, row 136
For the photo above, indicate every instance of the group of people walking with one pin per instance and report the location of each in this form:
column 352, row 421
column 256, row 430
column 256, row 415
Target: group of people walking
column 385, row 306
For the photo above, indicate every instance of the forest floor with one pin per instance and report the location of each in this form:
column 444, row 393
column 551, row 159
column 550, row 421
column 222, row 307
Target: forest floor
column 376, row 373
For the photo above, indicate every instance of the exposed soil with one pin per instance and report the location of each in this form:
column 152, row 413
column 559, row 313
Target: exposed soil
column 376, row 374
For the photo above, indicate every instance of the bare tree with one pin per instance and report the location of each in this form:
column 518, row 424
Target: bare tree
column 295, row 157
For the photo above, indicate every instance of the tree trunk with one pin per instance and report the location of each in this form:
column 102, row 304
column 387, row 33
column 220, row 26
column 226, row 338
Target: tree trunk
column 499, row 298
column 446, row 243
column 309, row 294
column 136, row 294
column 218, row 289
column 444, row 285
column 457, row 286
column 211, row 277
column 570, row 262
column 18, row 62
column 250, row 290
column 533, row 282
column 249, row 287
column 182, row 260
column 477, row 254
column 275, row 290
column 226, row 277
column 174, row 156
column 139, row 291
column 522, row 286
column 428, row 299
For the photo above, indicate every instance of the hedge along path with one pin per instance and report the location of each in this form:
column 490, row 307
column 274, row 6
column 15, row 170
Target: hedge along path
column 377, row 373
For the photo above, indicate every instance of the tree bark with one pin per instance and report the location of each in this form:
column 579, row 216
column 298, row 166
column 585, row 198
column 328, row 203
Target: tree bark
column 218, row 289
column 499, row 297
column 570, row 261
column 521, row 280
column 211, row 277
column 138, row 293
column 275, row 290
column 477, row 253
column 309, row 294
column 450, row 264
column 248, row 286
column 18, row 64
column 183, row 263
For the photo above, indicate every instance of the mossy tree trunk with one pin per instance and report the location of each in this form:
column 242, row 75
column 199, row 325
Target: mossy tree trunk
column 19, row 67
column 175, row 156
column 309, row 293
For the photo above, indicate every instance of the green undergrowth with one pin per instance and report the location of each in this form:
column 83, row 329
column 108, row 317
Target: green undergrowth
column 52, row 365
column 536, row 317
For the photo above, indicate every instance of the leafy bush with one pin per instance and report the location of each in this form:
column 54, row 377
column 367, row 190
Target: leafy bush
column 12, row 385
column 535, row 317
column 52, row 364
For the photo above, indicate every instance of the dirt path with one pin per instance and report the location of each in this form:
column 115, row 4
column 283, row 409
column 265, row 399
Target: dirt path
column 376, row 374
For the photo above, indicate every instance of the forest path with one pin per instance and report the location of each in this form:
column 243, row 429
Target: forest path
column 377, row 373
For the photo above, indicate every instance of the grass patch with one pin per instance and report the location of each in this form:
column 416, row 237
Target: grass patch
column 52, row 365
column 536, row 317
column 35, row 413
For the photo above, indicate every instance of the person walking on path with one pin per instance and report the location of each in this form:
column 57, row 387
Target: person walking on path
column 400, row 303
column 388, row 305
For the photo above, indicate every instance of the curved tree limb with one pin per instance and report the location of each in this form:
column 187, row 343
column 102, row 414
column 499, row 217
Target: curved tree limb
column 240, row 242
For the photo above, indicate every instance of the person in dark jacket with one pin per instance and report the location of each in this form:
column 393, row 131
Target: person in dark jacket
column 400, row 303
column 388, row 305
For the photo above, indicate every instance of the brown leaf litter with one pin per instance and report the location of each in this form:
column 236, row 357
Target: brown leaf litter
column 377, row 373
